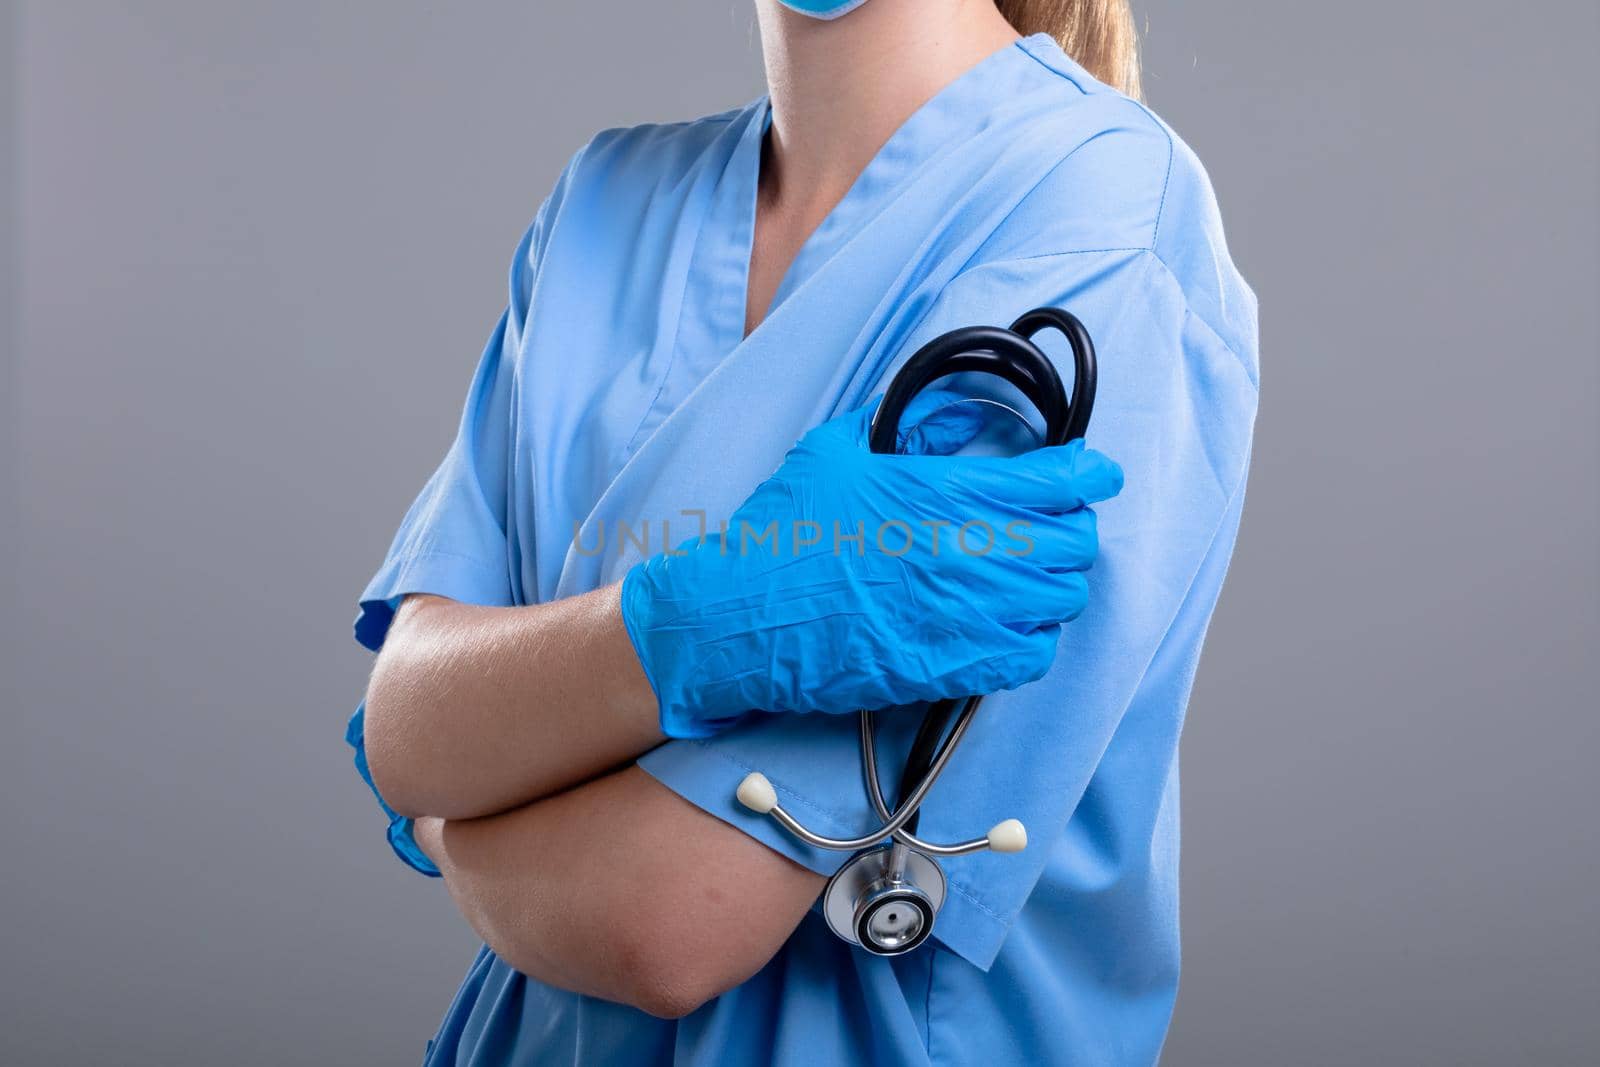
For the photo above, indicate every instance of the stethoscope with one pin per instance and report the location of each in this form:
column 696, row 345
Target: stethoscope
column 885, row 898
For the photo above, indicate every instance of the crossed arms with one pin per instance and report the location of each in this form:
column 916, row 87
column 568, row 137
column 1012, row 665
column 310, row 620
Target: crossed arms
column 509, row 734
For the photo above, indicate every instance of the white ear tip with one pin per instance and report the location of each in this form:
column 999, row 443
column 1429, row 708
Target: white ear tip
column 757, row 794
column 1008, row 836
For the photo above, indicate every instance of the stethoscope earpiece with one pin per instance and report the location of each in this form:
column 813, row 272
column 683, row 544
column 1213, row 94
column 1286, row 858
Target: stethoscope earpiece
column 885, row 898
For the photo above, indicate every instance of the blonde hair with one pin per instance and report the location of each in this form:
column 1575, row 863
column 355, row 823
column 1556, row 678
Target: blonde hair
column 1099, row 34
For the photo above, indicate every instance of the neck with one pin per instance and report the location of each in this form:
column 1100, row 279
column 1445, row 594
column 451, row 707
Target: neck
column 840, row 88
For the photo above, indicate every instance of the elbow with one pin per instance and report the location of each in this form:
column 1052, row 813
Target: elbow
column 635, row 967
column 393, row 756
column 403, row 753
column 670, row 1005
column 413, row 766
column 669, row 964
column 670, row 993
column 422, row 758
column 665, row 985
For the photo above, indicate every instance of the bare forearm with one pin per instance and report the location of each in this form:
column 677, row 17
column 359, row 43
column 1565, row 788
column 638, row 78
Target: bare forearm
column 474, row 710
column 620, row 889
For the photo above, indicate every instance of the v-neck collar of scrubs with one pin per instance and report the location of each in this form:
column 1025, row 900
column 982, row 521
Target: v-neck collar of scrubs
column 723, row 267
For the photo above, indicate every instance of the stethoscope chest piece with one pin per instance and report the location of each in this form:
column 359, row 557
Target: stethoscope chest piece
column 885, row 910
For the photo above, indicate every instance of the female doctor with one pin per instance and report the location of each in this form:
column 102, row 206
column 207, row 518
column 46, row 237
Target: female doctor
column 573, row 677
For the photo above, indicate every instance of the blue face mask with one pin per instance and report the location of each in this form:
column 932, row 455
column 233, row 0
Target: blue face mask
column 822, row 9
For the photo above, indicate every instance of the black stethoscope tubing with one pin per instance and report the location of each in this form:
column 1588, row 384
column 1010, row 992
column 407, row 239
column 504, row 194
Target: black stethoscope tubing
column 1010, row 354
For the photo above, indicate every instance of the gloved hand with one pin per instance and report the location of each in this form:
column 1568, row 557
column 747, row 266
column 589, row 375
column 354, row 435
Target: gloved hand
column 853, row 580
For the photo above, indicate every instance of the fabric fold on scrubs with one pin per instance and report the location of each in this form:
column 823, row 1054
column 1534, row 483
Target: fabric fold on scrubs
column 621, row 407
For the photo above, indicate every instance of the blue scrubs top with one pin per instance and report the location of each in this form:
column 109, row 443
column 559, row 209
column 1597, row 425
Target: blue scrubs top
column 618, row 387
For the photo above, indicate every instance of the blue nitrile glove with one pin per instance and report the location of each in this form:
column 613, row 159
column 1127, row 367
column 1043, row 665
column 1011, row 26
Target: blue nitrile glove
column 790, row 610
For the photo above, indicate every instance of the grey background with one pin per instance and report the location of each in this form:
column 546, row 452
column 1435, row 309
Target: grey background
column 256, row 249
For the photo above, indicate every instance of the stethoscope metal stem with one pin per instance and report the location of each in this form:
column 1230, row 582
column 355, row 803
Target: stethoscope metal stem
column 893, row 823
column 869, row 762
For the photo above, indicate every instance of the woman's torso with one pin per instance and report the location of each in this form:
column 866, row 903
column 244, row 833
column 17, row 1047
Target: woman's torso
column 638, row 398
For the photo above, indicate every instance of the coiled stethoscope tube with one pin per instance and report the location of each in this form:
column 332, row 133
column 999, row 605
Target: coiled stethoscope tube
column 886, row 897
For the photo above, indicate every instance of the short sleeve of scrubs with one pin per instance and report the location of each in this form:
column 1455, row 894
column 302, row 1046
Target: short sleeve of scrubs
column 1170, row 396
column 452, row 542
